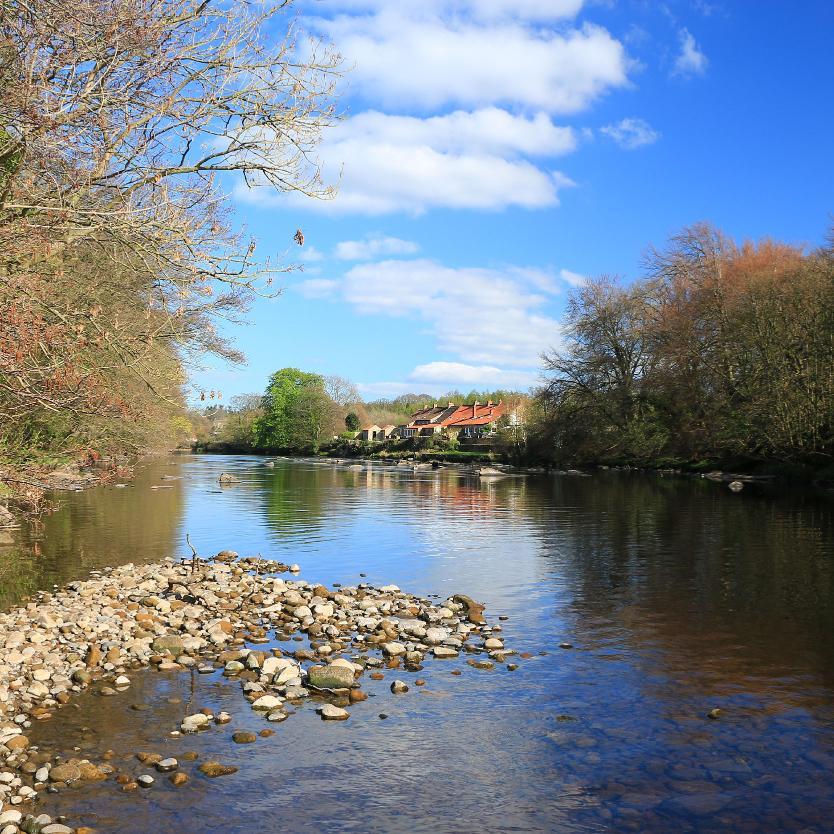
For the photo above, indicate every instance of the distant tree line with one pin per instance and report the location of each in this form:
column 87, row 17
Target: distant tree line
column 302, row 411
column 722, row 351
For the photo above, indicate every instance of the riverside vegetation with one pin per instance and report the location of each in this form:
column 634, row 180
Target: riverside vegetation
column 117, row 122
column 723, row 354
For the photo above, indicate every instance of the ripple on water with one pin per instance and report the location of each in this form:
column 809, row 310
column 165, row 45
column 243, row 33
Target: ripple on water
column 676, row 595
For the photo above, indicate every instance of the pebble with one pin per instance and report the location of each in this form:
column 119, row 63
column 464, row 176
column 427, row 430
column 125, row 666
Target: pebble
column 167, row 765
column 167, row 616
column 329, row 712
column 64, row 773
column 214, row 769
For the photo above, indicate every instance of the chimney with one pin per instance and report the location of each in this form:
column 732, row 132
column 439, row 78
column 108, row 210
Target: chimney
column 475, row 409
column 451, row 405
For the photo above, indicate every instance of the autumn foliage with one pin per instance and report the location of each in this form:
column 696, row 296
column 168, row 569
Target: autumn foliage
column 721, row 351
column 118, row 122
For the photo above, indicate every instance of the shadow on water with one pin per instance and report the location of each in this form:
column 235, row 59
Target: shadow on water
column 676, row 596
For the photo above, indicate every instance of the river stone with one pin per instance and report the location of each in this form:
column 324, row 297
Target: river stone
column 266, row 703
column 145, row 781
column 273, row 665
column 226, row 556
column 243, row 737
column 329, row 712
column 435, row 636
column 168, row 644
column 213, row 769
column 178, row 779
column 64, row 773
column 443, row 652
column 399, row 687
column 56, row 828
column 17, row 743
column 493, row 643
column 167, row 765
column 10, row 816
column 332, row 676
column 91, row 773
column 393, row 649
column 474, row 610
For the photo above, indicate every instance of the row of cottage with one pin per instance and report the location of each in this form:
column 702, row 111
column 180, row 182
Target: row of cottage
column 462, row 421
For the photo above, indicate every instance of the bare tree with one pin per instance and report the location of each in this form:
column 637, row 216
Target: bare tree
column 118, row 122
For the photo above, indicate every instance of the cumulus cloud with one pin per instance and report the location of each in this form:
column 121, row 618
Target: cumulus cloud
column 460, row 374
column 482, row 316
column 403, row 54
column 461, row 160
column 691, row 60
column 374, row 246
column 574, row 279
column 532, row 10
column 309, row 254
column 487, row 130
column 631, row 133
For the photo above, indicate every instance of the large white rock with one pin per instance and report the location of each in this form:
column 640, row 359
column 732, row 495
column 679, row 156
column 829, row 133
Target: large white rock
column 266, row 703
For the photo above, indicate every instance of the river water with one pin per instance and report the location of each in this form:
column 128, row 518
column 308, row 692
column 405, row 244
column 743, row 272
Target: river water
column 676, row 595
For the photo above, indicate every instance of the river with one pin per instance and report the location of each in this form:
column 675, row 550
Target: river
column 675, row 595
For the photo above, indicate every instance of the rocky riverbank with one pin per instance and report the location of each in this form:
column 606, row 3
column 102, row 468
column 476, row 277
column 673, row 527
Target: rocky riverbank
column 205, row 616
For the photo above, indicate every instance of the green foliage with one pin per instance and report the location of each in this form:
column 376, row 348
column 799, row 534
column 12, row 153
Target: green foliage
column 298, row 414
column 352, row 422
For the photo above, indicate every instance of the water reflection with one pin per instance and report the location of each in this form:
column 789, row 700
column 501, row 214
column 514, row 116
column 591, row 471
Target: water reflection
column 676, row 595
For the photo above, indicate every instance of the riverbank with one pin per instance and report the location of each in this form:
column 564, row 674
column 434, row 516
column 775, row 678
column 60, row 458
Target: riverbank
column 24, row 487
column 96, row 635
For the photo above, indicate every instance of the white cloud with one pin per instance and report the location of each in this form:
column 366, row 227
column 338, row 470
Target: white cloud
column 488, row 130
column 690, row 61
column 316, row 288
column 482, row 316
column 460, row 160
column 404, row 54
column 309, row 254
column 572, row 278
column 631, row 133
column 459, row 374
column 373, row 247
column 532, row 10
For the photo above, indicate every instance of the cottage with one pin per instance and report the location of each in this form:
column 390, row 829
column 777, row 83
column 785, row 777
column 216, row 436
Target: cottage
column 371, row 433
column 463, row 421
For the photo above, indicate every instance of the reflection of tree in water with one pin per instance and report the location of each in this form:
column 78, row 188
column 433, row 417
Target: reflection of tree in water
column 102, row 527
column 297, row 498
column 691, row 566
column 18, row 574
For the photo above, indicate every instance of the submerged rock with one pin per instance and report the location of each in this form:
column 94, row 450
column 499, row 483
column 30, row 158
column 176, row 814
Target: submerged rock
column 214, row 769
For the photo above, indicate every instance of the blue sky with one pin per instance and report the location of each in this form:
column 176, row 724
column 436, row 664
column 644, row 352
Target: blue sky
column 494, row 152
